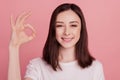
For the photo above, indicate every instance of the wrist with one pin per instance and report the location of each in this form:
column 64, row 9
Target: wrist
column 14, row 46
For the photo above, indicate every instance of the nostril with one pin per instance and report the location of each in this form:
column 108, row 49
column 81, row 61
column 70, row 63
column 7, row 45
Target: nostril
column 66, row 33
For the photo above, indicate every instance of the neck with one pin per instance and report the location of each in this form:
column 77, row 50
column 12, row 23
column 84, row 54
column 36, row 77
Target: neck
column 66, row 54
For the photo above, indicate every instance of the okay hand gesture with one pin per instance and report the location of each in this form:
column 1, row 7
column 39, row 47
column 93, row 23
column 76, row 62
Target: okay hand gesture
column 18, row 34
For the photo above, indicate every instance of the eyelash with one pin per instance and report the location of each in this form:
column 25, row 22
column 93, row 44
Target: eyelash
column 59, row 25
column 73, row 25
column 62, row 25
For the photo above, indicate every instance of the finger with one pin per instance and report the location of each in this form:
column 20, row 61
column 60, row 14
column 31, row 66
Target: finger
column 31, row 27
column 33, row 31
column 31, row 37
column 11, row 21
column 19, row 17
column 24, row 17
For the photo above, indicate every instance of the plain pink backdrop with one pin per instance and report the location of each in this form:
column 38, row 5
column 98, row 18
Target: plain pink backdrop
column 103, row 24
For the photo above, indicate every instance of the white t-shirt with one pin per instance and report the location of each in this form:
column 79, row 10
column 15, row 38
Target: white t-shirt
column 38, row 69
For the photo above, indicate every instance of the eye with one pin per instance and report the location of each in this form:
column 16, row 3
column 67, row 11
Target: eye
column 59, row 25
column 73, row 25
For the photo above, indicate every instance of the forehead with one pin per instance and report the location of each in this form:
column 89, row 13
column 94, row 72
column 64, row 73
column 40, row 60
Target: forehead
column 67, row 16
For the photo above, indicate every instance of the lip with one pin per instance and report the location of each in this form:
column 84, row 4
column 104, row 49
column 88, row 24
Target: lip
column 67, row 39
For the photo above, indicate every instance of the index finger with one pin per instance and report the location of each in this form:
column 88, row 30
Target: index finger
column 31, row 27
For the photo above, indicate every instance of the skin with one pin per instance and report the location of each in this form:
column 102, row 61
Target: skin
column 67, row 34
column 18, row 37
column 68, row 26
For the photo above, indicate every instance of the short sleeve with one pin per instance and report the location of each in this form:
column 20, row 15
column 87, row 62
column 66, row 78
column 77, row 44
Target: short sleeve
column 99, row 73
column 31, row 71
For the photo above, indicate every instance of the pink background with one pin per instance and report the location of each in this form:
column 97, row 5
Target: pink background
column 103, row 24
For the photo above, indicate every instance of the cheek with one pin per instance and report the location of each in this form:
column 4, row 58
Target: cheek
column 58, row 33
column 77, row 33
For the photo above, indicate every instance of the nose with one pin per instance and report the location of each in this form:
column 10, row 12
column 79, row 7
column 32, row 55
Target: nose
column 67, row 31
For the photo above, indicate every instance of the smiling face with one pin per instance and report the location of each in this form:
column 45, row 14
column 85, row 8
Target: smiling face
column 68, row 27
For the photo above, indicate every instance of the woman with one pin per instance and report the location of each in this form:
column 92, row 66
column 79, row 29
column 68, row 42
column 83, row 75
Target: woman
column 65, row 54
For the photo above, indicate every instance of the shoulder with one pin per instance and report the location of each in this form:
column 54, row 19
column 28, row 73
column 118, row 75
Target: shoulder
column 36, row 68
column 38, row 61
column 98, row 70
column 33, row 69
column 97, row 65
column 35, row 60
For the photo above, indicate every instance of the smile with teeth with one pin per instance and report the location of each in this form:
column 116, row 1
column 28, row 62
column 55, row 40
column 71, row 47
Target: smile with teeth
column 67, row 39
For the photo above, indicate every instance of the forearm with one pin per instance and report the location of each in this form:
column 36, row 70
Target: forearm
column 14, row 64
column 18, row 37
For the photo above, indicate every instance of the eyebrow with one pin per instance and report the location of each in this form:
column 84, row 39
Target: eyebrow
column 74, row 22
column 70, row 22
column 59, row 22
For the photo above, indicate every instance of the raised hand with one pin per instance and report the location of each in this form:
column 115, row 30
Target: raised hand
column 18, row 34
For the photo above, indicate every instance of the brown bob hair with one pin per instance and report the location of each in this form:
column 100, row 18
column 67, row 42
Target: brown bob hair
column 51, row 48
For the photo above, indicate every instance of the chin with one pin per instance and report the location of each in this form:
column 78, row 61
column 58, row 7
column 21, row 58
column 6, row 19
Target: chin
column 67, row 46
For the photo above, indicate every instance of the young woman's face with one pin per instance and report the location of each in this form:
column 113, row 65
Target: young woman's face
column 68, row 27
